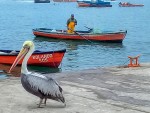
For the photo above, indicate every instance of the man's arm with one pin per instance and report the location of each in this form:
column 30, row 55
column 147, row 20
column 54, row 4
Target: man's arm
column 68, row 21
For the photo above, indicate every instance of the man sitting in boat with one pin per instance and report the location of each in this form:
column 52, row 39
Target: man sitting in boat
column 71, row 22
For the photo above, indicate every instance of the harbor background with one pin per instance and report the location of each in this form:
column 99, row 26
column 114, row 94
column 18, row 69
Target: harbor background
column 19, row 17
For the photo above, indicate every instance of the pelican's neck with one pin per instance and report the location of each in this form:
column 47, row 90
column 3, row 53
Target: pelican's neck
column 24, row 69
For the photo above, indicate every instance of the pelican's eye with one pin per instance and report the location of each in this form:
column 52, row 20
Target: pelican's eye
column 26, row 46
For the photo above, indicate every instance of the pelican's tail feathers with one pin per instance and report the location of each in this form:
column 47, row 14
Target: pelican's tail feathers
column 62, row 99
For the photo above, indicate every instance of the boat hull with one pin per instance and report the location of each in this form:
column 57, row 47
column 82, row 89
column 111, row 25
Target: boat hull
column 41, row 1
column 104, row 36
column 93, row 4
column 130, row 5
column 48, row 59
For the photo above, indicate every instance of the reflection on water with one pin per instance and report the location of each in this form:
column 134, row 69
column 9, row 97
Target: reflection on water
column 5, row 68
column 74, row 43
column 44, row 70
column 16, row 71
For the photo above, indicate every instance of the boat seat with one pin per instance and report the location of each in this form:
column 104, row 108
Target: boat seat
column 3, row 53
column 6, row 53
column 53, row 30
column 13, row 52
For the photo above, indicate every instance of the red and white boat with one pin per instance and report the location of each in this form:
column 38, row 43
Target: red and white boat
column 105, row 36
column 38, row 58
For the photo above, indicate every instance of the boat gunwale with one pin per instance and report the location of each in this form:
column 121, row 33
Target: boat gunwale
column 35, row 52
column 84, row 34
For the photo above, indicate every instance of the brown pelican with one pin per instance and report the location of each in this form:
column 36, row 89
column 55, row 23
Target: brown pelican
column 37, row 84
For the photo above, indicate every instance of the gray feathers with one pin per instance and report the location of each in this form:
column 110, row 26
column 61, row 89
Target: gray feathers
column 42, row 87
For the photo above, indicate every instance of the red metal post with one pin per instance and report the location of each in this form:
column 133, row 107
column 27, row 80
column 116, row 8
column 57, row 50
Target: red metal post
column 133, row 61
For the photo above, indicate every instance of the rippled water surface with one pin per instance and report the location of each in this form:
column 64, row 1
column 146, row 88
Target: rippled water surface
column 19, row 17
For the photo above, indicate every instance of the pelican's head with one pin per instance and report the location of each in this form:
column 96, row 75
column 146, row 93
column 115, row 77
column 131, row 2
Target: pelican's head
column 28, row 44
column 27, row 50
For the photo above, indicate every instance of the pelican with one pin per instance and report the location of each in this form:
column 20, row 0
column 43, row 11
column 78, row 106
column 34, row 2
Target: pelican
column 37, row 84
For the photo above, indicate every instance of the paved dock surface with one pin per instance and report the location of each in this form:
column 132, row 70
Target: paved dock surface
column 101, row 90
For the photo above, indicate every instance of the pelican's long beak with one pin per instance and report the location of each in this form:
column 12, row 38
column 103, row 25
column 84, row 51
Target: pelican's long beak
column 20, row 56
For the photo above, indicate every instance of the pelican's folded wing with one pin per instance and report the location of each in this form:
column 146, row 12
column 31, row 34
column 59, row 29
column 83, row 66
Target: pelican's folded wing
column 47, row 86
